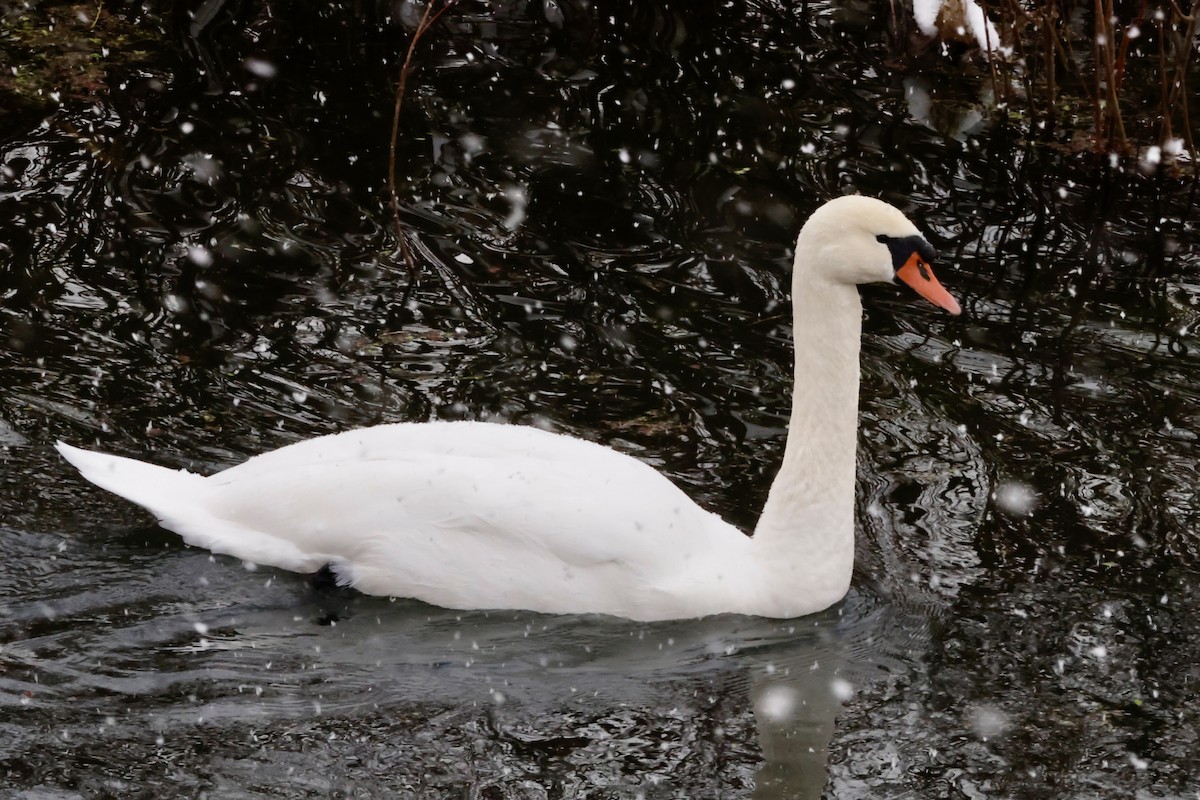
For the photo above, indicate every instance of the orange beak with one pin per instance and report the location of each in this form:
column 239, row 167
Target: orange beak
column 917, row 273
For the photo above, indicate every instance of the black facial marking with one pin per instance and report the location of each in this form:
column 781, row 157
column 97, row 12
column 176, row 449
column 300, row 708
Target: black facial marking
column 902, row 249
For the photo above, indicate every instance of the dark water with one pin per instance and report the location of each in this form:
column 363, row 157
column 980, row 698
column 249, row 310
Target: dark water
column 199, row 264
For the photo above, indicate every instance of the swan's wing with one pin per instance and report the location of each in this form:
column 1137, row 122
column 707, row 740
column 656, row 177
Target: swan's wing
column 464, row 514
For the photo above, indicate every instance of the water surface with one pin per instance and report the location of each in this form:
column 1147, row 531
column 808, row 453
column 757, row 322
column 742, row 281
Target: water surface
column 200, row 264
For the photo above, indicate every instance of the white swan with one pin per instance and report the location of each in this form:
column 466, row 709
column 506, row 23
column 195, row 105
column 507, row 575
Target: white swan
column 474, row 515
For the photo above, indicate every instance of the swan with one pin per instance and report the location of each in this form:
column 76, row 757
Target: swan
column 475, row 515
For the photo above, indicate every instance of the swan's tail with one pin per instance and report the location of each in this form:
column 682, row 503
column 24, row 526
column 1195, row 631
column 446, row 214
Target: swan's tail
column 190, row 506
column 156, row 489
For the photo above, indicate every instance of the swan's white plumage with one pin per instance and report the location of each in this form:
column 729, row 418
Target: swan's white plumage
column 496, row 516
column 476, row 515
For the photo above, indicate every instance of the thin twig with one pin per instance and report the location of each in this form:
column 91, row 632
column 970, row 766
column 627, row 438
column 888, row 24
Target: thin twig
column 1113, row 107
column 1181, row 74
column 1097, row 55
column 987, row 43
column 1049, row 35
column 1119, row 67
column 428, row 18
column 1164, row 80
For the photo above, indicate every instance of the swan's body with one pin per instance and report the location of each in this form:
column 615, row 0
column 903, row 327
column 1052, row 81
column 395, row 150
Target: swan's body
column 476, row 515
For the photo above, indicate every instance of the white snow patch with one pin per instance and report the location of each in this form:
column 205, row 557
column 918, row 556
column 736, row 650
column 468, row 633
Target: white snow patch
column 778, row 703
column 965, row 18
column 518, row 201
column 842, row 689
column 925, row 12
column 199, row 255
column 260, row 67
column 1015, row 498
column 988, row 722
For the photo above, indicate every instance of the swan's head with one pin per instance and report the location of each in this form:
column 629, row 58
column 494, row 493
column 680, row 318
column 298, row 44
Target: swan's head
column 856, row 239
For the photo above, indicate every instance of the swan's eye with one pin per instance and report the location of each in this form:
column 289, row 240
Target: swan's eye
column 903, row 247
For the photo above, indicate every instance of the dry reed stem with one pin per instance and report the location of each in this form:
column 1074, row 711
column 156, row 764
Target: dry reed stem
column 1050, row 40
column 1164, row 88
column 1042, row 36
column 1099, row 38
column 1183, row 51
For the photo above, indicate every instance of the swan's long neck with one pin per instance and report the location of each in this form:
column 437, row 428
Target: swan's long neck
column 804, row 541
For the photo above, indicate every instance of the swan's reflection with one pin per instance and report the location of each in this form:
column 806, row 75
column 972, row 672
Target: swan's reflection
column 794, row 715
column 534, row 698
column 793, row 675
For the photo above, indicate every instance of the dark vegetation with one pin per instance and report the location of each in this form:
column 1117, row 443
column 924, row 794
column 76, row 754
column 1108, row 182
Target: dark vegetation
column 1116, row 75
column 1105, row 76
